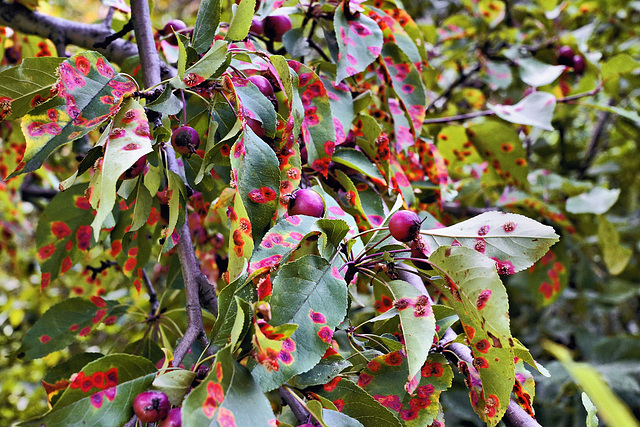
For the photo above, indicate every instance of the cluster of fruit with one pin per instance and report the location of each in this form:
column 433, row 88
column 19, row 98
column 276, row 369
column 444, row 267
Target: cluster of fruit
column 567, row 57
column 153, row 407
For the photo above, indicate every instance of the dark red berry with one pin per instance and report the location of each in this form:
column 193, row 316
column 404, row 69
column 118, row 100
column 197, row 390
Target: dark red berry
column 136, row 169
column 256, row 126
column 565, row 56
column 404, row 225
column 151, row 406
column 420, row 249
column 174, row 25
column 257, row 27
column 275, row 26
column 579, row 64
column 263, row 84
column 185, row 140
column 173, row 419
column 306, row 202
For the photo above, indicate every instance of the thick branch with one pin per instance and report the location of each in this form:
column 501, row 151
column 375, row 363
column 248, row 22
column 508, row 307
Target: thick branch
column 63, row 32
column 297, row 407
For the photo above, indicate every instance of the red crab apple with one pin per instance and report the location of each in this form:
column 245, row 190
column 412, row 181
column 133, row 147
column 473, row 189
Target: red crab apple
column 256, row 126
column 420, row 249
column 136, row 169
column 565, row 55
column 306, row 202
column 579, row 64
column 257, row 26
column 185, row 140
column 151, row 406
column 404, row 225
column 174, row 25
column 263, row 84
column 275, row 26
column 173, row 419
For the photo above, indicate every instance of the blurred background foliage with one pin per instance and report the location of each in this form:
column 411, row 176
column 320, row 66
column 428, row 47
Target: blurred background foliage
column 473, row 49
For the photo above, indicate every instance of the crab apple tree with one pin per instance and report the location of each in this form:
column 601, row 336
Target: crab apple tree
column 308, row 213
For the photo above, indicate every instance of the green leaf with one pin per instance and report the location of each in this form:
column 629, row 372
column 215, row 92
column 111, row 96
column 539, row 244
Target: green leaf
column 341, row 103
column 535, row 110
column 472, row 286
column 209, row 66
column 311, row 293
column 89, row 92
column 357, row 403
column 227, row 396
column 418, row 323
column 596, row 201
column 128, row 140
column 65, row 322
column 27, row 84
column 253, row 101
column 206, row 25
column 241, row 21
column 338, row 419
column 616, row 256
column 592, row 418
column 175, row 384
column 357, row 160
column 142, row 207
column 102, row 393
column 328, row 367
column 513, row 241
column 549, row 277
column 618, row 65
column 359, row 43
column 612, row 410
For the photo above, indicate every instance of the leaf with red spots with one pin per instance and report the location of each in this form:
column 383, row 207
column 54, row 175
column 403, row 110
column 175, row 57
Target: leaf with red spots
column 63, row 323
column 418, row 323
column 399, row 181
column 318, row 128
column 516, row 199
column 240, row 238
column 352, row 202
column 473, row 288
column 128, row 139
column 89, row 92
column 102, row 393
column 27, row 85
column 457, row 150
column 56, row 380
column 393, row 31
column 64, row 234
column 359, row 43
column 356, row 403
column 501, row 146
column 211, row 65
column 253, row 104
column 223, row 397
column 357, row 160
column 548, row 277
column 432, row 162
column 341, row 103
column 311, row 293
column 385, row 379
column 514, row 242
column 535, row 110
column 256, row 172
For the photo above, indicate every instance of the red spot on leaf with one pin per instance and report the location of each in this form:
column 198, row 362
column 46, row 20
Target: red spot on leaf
column 84, row 331
column 317, row 317
column 45, row 339
column 393, row 359
column 83, row 236
column 325, row 333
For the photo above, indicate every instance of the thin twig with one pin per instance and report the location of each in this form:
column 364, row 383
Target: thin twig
column 594, row 144
column 297, row 406
column 463, row 77
column 153, row 296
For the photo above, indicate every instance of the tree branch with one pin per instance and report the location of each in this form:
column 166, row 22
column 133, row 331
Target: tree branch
column 297, row 407
column 63, row 32
column 603, row 118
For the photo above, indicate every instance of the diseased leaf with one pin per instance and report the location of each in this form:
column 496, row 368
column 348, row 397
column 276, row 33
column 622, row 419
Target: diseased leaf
column 101, row 394
column 514, row 242
column 473, row 288
column 359, row 43
column 356, row 160
column 535, row 110
column 209, row 66
column 225, row 396
column 311, row 293
column 417, row 321
column 64, row 322
column 27, row 85
column 89, row 92
column 255, row 105
column 128, row 140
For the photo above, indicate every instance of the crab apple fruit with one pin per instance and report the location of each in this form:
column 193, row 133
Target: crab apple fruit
column 306, row 202
column 565, row 55
column 404, row 225
column 257, row 26
column 420, row 249
column 185, row 140
column 136, row 169
column 151, row 406
column 263, row 84
column 173, row 419
column 275, row 26
column 256, row 126
column 579, row 64
column 174, row 25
